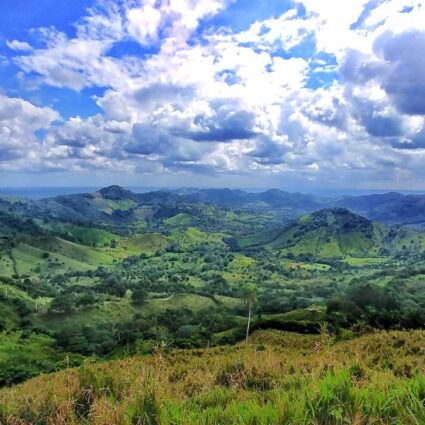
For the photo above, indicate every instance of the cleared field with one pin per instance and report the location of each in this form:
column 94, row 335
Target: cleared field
column 148, row 242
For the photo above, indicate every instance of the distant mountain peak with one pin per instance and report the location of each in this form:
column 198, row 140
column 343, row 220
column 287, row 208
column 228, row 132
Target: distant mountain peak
column 116, row 193
column 336, row 211
column 338, row 218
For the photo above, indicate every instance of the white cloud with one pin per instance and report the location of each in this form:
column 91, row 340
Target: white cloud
column 143, row 23
column 19, row 119
column 230, row 102
column 19, row 45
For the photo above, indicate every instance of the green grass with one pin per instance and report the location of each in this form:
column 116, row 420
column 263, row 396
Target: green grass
column 366, row 261
column 120, row 310
column 109, row 311
column 28, row 258
column 24, row 355
column 315, row 266
column 6, row 265
column 313, row 314
column 85, row 235
column 192, row 302
column 194, row 237
column 148, row 242
column 241, row 262
column 278, row 378
column 64, row 255
column 337, row 233
column 108, row 206
column 181, row 219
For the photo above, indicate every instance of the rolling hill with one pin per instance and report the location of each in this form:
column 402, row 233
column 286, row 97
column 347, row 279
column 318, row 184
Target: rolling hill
column 390, row 208
column 118, row 209
column 110, row 272
column 336, row 233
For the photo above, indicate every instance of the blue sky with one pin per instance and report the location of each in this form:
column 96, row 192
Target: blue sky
column 297, row 94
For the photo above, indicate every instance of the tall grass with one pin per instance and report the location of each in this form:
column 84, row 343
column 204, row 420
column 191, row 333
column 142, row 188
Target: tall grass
column 145, row 410
column 374, row 379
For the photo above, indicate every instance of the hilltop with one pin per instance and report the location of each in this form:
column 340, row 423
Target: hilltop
column 336, row 233
column 278, row 378
column 115, row 206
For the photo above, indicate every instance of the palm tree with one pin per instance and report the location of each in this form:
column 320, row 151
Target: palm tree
column 250, row 295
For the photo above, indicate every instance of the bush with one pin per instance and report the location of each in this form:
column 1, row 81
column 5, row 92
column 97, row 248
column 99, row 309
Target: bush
column 357, row 372
column 232, row 375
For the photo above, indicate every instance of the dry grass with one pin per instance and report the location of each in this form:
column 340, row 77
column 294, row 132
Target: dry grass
column 278, row 378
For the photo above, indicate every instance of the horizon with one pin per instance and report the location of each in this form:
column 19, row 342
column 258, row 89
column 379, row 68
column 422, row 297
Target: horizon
column 40, row 192
column 297, row 94
column 212, row 211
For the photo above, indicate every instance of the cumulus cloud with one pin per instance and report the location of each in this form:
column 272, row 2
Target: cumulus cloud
column 208, row 99
column 404, row 79
column 19, row 119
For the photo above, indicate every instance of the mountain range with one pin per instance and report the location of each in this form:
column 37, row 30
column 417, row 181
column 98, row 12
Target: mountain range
column 114, row 270
column 119, row 206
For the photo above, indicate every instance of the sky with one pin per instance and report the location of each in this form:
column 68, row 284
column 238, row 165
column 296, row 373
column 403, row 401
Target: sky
column 295, row 94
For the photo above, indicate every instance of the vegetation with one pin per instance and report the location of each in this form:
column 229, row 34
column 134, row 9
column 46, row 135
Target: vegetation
column 278, row 378
column 100, row 277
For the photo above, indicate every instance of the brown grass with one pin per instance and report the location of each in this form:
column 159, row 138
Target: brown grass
column 285, row 373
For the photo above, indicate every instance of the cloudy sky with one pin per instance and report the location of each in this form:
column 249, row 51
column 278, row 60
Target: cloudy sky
column 296, row 94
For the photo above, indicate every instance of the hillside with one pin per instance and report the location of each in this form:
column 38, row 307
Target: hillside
column 134, row 269
column 390, row 208
column 278, row 378
column 119, row 209
column 336, row 233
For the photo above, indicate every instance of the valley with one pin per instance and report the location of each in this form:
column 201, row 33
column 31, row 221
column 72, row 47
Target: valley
column 113, row 273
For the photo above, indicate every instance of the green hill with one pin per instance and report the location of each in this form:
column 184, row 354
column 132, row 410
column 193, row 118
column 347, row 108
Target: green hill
column 27, row 248
column 148, row 242
column 336, row 233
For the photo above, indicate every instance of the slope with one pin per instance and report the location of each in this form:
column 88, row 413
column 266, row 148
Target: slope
column 278, row 378
column 335, row 233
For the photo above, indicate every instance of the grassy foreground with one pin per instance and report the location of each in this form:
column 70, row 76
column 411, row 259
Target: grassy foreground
column 278, row 378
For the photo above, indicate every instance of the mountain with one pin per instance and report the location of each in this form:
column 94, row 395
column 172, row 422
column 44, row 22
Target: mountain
column 121, row 211
column 118, row 209
column 11, row 226
column 390, row 208
column 116, row 193
column 235, row 198
column 110, row 206
column 336, row 233
column 111, row 272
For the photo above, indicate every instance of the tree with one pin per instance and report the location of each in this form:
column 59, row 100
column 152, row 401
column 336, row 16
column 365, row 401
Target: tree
column 139, row 295
column 250, row 295
column 85, row 300
column 63, row 303
column 112, row 285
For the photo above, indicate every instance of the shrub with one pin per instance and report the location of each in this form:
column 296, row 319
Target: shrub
column 232, row 375
column 259, row 380
column 357, row 372
column 3, row 414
